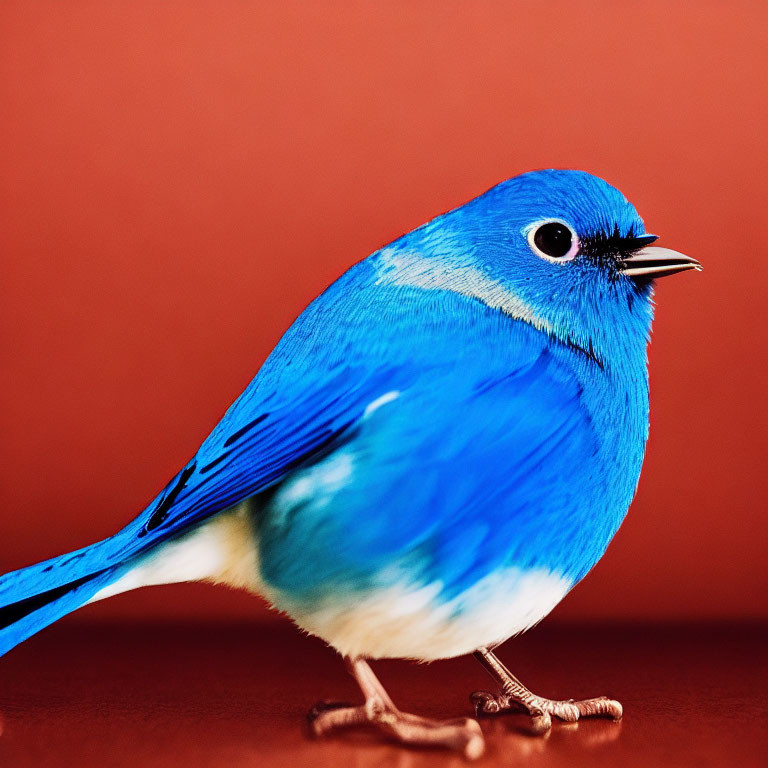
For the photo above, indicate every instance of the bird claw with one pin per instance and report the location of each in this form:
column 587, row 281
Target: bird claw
column 378, row 711
column 516, row 696
column 463, row 735
column 542, row 710
column 485, row 703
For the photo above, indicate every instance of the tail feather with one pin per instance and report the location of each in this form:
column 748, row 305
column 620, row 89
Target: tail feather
column 221, row 550
column 34, row 597
column 54, row 573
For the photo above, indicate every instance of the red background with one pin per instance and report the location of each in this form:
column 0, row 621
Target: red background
column 179, row 179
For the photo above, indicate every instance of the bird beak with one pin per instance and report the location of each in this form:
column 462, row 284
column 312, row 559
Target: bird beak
column 653, row 261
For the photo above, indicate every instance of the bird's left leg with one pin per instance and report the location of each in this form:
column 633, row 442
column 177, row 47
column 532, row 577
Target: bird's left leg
column 378, row 711
column 515, row 696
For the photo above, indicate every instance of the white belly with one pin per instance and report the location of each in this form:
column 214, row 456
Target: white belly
column 414, row 623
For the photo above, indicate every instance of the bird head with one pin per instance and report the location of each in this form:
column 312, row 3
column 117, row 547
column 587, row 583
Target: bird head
column 562, row 250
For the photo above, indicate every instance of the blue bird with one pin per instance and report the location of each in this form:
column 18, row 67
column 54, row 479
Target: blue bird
column 437, row 450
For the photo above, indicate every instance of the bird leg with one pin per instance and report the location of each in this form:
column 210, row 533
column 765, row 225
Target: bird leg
column 463, row 735
column 515, row 696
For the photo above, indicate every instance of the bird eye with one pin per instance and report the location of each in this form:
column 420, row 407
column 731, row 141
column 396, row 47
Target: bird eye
column 553, row 240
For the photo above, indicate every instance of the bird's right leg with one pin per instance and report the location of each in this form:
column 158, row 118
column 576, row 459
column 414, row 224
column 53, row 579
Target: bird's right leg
column 378, row 711
column 515, row 696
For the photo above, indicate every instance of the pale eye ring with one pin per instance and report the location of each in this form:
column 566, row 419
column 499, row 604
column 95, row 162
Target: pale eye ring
column 553, row 240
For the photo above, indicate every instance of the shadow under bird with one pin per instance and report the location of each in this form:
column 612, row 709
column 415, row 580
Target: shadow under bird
column 437, row 450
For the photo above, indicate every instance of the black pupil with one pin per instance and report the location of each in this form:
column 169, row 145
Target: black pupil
column 553, row 239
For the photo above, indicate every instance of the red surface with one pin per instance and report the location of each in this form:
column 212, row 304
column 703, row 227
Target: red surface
column 178, row 179
column 236, row 696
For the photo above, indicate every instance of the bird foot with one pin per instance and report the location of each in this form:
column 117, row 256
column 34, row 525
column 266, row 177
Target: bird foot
column 542, row 710
column 462, row 735
column 515, row 696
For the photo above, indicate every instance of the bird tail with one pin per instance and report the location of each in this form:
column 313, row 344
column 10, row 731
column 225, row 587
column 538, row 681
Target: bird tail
column 34, row 597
